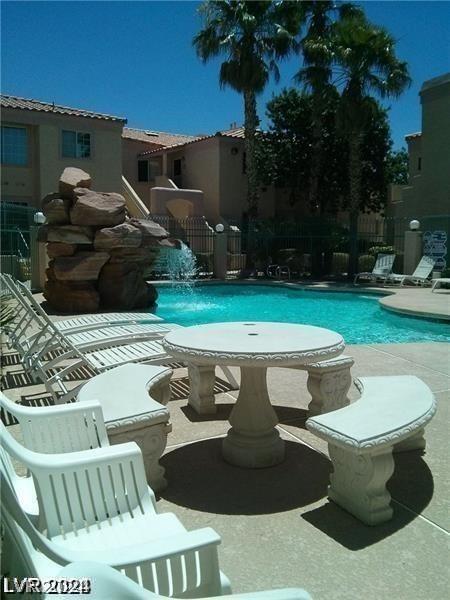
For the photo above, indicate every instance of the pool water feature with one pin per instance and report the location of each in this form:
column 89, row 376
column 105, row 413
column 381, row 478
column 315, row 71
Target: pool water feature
column 357, row 317
column 182, row 266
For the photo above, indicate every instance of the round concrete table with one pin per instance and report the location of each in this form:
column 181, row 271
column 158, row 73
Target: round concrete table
column 253, row 441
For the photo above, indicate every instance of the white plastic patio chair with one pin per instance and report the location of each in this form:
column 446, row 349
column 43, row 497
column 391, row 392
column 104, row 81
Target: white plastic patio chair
column 54, row 430
column 95, row 505
column 105, row 582
column 420, row 275
column 381, row 270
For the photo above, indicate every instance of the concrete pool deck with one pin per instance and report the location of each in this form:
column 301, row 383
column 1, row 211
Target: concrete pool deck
column 416, row 301
column 278, row 528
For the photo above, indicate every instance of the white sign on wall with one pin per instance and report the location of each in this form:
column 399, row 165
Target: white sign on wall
column 435, row 245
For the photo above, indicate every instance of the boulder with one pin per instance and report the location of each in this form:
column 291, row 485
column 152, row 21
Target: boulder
column 56, row 209
column 121, row 287
column 97, row 208
column 69, row 234
column 71, row 297
column 140, row 256
column 152, row 233
column 83, row 266
column 55, row 249
column 120, row 236
column 72, row 178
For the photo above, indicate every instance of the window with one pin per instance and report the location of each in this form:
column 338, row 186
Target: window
column 142, row 170
column 177, row 167
column 14, row 146
column 76, row 144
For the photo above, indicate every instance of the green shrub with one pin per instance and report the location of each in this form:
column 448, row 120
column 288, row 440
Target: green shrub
column 366, row 262
column 375, row 250
column 339, row 263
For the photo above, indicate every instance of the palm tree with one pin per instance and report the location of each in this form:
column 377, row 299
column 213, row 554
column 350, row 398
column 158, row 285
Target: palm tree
column 316, row 74
column 251, row 35
column 366, row 65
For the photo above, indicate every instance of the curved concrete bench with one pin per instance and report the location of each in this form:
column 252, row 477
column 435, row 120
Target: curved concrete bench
column 390, row 415
column 132, row 414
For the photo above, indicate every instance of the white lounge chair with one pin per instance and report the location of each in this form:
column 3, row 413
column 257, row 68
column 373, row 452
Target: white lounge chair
column 35, row 329
column 381, row 270
column 438, row 282
column 95, row 505
column 105, row 582
column 420, row 275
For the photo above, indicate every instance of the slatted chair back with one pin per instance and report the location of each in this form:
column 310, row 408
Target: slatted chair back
column 25, row 318
column 59, row 429
column 78, row 490
column 383, row 264
column 424, row 267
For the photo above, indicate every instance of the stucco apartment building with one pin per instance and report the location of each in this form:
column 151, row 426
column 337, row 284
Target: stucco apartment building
column 427, row 195
column 211, row 164
column 39, row 139
column 428, row 189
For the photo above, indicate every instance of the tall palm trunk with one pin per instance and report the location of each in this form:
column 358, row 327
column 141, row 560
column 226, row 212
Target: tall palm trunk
column 355, row 173
column 250, row 125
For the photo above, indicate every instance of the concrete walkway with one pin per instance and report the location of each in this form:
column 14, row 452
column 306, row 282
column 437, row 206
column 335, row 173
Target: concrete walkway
column 277, row 526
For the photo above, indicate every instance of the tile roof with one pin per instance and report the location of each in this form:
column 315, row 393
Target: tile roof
column 39, row 106
column 157, row 137
column 411, row 136
column 236, row 132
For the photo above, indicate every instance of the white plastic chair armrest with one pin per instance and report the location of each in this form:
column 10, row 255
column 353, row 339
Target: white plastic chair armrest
column 136, row 554
column 109, row 583
column 47, row 411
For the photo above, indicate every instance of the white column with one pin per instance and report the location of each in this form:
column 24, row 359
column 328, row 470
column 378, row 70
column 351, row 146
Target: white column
column 412, row 251
column 220, row 255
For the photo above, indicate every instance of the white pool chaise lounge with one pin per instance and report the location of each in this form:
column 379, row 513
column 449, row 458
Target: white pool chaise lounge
column 420, row 275
column 381, row 270
column 390, row 416
column 438, row 282
column 34, row 330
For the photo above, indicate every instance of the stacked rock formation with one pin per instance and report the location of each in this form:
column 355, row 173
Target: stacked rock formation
column 99, row 258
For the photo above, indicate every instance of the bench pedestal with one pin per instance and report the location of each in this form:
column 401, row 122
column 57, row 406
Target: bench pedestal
column 150, row 436
column 328, row 383
column 131, row 414
column 201, row 395
column 358, row 483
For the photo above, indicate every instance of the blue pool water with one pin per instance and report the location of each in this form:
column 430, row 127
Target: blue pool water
column 357, row 317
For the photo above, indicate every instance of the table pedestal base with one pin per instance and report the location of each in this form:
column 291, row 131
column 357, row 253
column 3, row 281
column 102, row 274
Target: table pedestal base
column 253, row 442
column 253, row 453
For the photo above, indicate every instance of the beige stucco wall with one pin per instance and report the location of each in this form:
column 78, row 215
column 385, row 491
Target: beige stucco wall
column 201, row 171
column 211, row 166
column 428, row 190
column 233, row 183
column 41, row 177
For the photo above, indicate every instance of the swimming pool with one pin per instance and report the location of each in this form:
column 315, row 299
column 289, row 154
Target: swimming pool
column 357, row 317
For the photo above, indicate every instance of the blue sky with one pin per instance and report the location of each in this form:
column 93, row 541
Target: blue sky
column 135, row 59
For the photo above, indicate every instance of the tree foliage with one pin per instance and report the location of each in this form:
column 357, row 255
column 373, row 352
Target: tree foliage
column 398, row 167
column 251, row 36
column 285, row 154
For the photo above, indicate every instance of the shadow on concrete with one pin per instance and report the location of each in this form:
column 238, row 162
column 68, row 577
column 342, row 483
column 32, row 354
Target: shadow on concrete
column 285, row 414
column 200, row 479
column 411, row 485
